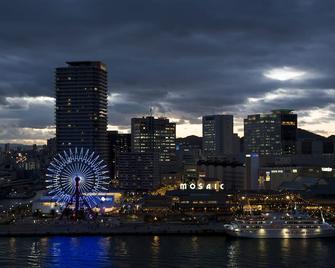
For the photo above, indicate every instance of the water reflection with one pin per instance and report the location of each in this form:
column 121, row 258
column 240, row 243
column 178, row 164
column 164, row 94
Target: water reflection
column 35, row 254
column 285, row 246
column 163, row 251
column 262, row 247
column 12, row 243
column 232, row 254
column 195, row 244
column 155, row 245
column 44, row 241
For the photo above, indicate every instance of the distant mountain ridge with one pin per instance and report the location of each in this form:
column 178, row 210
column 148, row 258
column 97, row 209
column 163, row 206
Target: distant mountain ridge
column 305, row 134
column 191, row 140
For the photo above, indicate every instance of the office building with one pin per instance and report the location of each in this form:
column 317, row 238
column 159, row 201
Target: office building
column 7, row 148
column 217, row 132
column 251, row 171
column 158, row 135
column 188, row 154
column 271, row 134
column 236, row 144
column 288, row 172
column 81, row 107
column 117, row 143
column 230, row 173
column 138, row 171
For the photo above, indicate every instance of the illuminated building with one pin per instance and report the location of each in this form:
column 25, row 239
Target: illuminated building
column 188, row 154
column 138, row 171
column 81, row 107
column 293, row 172
column 271, row 134
column 217, row 132
column 158, row 135
column 108, row 202
column 251, row 171
column 200, row 201
column 296, row 178
column 230, row 173
column 117, row 143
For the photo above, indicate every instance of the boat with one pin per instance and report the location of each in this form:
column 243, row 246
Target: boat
column 280, row 225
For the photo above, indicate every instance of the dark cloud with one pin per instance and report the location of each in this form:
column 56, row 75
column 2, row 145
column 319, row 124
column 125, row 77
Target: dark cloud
column 185, row 58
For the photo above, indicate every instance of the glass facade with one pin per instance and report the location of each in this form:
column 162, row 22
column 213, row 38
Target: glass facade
column 271, row 134
column 81, row 107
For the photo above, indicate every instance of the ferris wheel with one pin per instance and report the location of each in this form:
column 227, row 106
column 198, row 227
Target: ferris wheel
column 77, row 176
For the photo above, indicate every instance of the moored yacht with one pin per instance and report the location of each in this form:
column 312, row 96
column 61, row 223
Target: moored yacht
column 280, row 225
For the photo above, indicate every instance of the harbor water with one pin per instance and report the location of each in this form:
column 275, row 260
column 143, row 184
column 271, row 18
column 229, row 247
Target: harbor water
column 164, row 251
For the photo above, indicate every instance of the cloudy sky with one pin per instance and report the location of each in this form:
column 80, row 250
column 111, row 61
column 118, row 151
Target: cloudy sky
column 184, row 58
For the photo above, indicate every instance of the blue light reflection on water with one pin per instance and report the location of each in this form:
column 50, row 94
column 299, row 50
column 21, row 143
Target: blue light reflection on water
column 78, row 251
column 163, row 251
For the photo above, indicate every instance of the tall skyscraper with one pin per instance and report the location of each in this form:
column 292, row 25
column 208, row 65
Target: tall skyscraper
column 117, row 143
column 158, row 135
column 217, row 133
column 271, row 134
column 81, row 107
column 188, row 155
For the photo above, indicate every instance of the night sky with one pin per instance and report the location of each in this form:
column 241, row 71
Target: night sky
column 184, row 58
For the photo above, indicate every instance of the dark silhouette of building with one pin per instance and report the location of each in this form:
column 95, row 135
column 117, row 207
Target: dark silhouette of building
column 51, row 146
column 81, row 107
column 311, row 143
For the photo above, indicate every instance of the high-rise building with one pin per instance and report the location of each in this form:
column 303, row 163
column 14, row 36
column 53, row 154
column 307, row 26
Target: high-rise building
column 217, row 132
column 158, row 135
column 251, row 171
column 81, row 106
column 188, row 155
column 51, row 147
column 271, row 134
column 138, row 171
column 117, row 143
column 236, row 144
column 7, row 148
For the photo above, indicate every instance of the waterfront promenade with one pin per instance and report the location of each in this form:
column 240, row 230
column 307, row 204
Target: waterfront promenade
column 94, row 228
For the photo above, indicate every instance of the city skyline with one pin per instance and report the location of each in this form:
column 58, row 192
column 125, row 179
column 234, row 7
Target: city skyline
column 183, row 60
column 182, row 131
column 161, row 133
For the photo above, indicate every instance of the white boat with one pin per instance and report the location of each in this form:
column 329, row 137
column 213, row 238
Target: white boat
column 280, row 225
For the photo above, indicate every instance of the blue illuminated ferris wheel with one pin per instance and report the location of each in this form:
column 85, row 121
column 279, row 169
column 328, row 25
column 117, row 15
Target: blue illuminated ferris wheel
column 76, row 176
